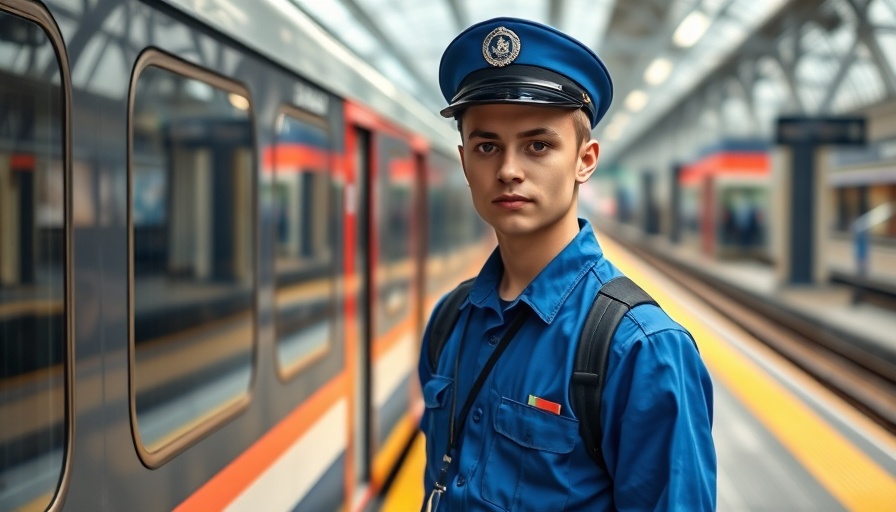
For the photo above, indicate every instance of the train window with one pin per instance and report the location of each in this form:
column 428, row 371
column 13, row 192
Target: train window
column 451, row 225
column 301, row 193
column 743, row 221
column 880, row 194
column 34, row 348
column 849, row 203
column 192, row 254
column 394, row 269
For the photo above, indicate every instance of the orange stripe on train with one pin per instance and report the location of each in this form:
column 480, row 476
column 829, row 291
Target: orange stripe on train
column 224, row 487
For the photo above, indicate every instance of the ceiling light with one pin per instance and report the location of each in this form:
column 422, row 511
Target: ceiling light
column 621, row 119
column 658, row 71
column 691, row 29
column 636, row 100
column 238, row 102
column 613, row 132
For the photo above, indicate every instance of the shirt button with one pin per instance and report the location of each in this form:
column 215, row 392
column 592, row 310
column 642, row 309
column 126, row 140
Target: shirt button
column 493, row 340
column 461, row 481
column 477, row 415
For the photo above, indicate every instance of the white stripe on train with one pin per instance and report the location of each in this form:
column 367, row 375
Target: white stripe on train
column 392, row 368
column 294, row 474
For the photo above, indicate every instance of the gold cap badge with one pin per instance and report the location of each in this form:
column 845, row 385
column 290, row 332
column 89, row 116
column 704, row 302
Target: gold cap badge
column 501, row 47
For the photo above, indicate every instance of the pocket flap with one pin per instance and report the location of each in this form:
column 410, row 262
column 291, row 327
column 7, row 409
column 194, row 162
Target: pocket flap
column 536, row 429
column 436, row 391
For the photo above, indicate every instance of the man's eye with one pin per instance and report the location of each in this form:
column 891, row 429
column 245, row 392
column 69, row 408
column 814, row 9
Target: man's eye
column 486, row 147
column 539, row 146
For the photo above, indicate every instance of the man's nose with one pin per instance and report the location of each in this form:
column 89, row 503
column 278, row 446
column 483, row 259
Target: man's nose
column 510, row 168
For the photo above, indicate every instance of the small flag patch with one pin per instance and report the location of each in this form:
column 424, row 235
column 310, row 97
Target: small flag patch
column 544, row 405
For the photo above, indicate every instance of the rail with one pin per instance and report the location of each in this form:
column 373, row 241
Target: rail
column 847, row 365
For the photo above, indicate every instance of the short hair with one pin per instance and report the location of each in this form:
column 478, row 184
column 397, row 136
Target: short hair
column 581, row 124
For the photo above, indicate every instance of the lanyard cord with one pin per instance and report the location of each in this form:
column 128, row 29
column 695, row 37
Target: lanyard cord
column 477, row 385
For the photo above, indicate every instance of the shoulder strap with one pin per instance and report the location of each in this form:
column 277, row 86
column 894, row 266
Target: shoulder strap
column 613, row 301
column 444, row 320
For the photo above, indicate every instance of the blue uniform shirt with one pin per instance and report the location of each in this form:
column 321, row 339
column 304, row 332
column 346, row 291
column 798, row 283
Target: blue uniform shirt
column 656, row 408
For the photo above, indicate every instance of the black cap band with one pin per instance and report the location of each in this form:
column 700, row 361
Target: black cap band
column 518, row 84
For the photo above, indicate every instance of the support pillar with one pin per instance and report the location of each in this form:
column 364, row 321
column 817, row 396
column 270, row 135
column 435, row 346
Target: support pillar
column 803, row 186
column 675, row 206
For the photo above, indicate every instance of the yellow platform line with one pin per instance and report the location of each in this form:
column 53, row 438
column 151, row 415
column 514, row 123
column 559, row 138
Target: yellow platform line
column 391, row 450
column 407, row 488
column 851, row 477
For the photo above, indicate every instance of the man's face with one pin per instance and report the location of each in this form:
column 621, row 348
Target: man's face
column 523, row 164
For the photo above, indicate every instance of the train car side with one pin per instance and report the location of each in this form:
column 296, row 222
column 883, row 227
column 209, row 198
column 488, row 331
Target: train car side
column 220, row 264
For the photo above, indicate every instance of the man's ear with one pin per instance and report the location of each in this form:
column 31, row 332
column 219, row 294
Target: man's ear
column 587, row 163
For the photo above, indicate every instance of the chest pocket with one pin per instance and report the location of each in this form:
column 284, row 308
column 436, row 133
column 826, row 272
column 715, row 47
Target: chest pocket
column 528, row 464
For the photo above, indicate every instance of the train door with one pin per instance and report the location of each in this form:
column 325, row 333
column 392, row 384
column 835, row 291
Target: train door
column 650, row 207
column 421, row 214
column 707, row 219
column 360, row 363
column 382, row 362
column 393, row 298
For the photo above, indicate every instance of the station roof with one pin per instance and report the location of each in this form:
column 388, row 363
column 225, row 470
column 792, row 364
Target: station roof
column 657, row 51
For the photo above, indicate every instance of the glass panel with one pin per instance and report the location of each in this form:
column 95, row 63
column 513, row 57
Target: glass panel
column 303, row 195
column 453, row 223
column 395, row 268
column 32, row 271
column 880, row 194
column 847, row 201
column 193, row 257
column 743, row 219
column 881, row 17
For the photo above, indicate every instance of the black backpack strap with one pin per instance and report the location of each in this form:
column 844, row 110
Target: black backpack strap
column 444, row 320
column 613, row 301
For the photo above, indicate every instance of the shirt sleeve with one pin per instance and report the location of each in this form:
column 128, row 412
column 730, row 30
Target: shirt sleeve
column 657, row 419
column 424, row 369
column 424, row 373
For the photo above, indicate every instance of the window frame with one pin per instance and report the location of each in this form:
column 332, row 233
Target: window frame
column 153, row 57
column 288, row 372
column 39, row 15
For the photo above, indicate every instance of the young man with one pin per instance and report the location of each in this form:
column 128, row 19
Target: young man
column 525, row 97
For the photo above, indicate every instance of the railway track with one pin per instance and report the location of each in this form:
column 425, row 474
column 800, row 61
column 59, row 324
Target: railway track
column 853, row 371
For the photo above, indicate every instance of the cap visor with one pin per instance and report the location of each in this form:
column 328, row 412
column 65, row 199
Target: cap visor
column 526, row 94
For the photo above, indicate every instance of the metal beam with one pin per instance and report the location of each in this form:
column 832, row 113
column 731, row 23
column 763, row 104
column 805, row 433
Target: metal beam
column 362, row 17
column 86, row 31
column 457, row 12
column 607, row 7
column 788, row 68
column 657, row 45
column 866, row 34
column 846, row 62
column 745, row 78
column 555, row 12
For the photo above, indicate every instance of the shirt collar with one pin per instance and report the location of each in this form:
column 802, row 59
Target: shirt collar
column 552, row 286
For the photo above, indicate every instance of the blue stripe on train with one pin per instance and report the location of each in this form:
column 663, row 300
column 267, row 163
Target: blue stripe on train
column 329, row 492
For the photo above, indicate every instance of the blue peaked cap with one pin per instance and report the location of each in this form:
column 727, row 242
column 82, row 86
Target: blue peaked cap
column 511, row 60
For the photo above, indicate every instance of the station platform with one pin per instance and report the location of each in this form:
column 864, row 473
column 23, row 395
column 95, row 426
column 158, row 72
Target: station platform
column 831, row 305
column 784, row 442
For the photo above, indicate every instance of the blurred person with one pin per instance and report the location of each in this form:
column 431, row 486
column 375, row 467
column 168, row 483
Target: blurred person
column 525, row 97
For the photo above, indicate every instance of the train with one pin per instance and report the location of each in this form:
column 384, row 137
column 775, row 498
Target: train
column 725, row 204
column 221, row 235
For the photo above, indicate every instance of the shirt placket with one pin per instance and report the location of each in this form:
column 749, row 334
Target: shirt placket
column 476, row 352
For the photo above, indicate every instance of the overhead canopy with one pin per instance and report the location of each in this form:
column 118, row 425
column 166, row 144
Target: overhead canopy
column 656, row 50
